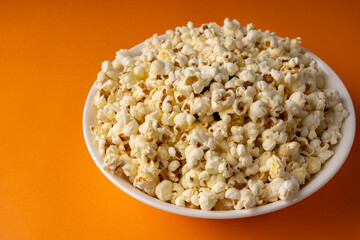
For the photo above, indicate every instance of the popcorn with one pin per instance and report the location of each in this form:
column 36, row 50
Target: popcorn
column 312, row 120
column 324, row 155
column 221, row 98
column 257, row 188
column 163, row 190
column 247, row 199
column 298, row 98
column 299, row 172
column 251, row 37
column 195, row 199
column 232, row 28
column 207, row 200
column 216, row 118
column 177, row 192
column 219, row 189
column 288, row 150
column 314, row 164
column 180, row 120
column 106, row 66
column 173, row 165
column 180, row 201
column 193, row 155
column 275, row 166
column 188, row 194
column 214, row 179
column 225, row 169
column 252, row 169
column 112, row 158
column 157, row 68
column 273, row 189
column 190, row 179
column 288, row 190
column 240, row 152
column 247, row 76
column 233, row 194
column 269, row 141
column 332, row 97
column 147, row 178
column 231, row 68
column 257, row 110
column 128, row 80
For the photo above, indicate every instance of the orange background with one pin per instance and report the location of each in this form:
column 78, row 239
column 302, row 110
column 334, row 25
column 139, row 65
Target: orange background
column 50, row 54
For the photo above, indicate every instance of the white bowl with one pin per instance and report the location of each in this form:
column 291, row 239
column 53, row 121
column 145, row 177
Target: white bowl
column 317, row 181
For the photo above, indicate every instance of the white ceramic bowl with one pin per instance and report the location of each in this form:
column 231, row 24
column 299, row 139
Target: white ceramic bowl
column 317, row 181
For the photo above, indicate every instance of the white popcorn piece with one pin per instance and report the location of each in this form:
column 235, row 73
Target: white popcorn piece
column 188, row 194
column 106, row 66
column 190, row 179
column 164, row 190
column 231, row 68
column 289, row 150
column 177, row 192
column 219, row 189
column 180, row 201
column 298, row 98
column 257, row 110
column 324, row 155
column 244, row 157
column 332, row 97
column 273, row 189
column 247, row 76
column 252, row 169
column 207, row 200
column 232, row 28
column 314, row 164
column 299, row 173
column 247, row 199
column 251, row 37
column 214, row 179
column 257, row 188
column 233, row 194
column 147, row 178
column 157, row 68
column 288, row 190
column 112, row 159
column 275, row 166
column 193, row 155
column 238, row 178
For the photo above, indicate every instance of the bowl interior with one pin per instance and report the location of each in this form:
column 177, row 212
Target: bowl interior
column 317, row 181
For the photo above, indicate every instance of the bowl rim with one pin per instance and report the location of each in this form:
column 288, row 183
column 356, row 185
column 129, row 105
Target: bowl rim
column 307, row 190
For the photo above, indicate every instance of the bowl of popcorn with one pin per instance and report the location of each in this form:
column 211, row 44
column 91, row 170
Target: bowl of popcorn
column 218, row 121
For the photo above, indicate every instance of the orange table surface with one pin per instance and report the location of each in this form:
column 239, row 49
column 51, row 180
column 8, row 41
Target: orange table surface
column 50, row 54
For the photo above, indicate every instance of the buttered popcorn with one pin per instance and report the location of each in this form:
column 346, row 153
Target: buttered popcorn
column 216, row 118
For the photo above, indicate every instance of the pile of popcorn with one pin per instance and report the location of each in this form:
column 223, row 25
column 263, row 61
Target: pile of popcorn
column 216, row 118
